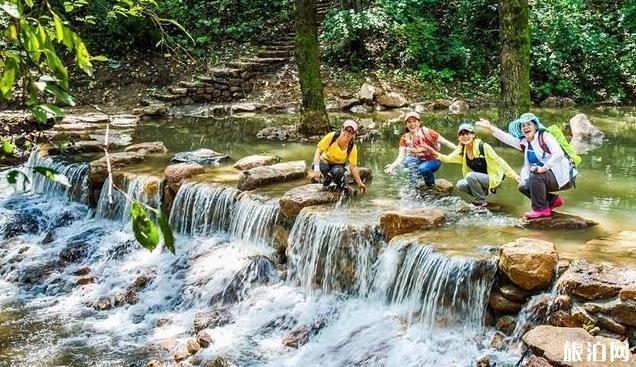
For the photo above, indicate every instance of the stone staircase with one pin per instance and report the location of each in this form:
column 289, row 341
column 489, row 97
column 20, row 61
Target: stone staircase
column 237, row 79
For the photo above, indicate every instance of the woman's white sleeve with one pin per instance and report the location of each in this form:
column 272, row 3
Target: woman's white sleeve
column 506, row 138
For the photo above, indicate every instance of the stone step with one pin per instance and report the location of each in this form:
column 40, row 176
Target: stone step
column 284, row 53
column 195, row 84
column 220, row 73
column 280, row 43
column 246, row 65
column 166, row 97
column 278, row 47
column 264, row 60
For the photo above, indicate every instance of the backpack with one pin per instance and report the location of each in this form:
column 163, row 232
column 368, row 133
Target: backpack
column 568, row 149
column 335, row 137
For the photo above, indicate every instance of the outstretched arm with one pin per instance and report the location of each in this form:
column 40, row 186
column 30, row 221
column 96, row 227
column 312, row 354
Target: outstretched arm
column 501, row 135
column 389, row 168
column 447, row 143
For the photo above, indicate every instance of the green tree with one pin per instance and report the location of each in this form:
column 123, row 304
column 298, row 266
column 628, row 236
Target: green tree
column 514, row 34
column 314, row 119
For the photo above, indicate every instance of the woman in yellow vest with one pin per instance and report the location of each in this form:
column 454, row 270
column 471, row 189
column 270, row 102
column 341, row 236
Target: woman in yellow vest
column 333, row 151
column 482, row 168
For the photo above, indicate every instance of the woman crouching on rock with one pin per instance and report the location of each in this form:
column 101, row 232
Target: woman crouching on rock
column 333, row 151
column 482, row 168
column 414, row 153
column 546, row 168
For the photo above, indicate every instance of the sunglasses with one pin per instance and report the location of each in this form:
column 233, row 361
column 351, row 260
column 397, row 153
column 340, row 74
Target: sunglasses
column 349, row 130
column 464, row 132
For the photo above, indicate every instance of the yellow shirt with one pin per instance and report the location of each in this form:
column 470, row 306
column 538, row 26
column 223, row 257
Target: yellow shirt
column 332, row 154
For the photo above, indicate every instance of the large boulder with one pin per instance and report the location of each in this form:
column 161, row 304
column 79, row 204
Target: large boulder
column 366, row 93
column 502, row 305
column 255, row 161
column 557, row 102
column 529, row 263
column 458, row 107
column 585, row 136
column 392, row 100
column 147, row 148
column 176, row 173
column 553, row 342
column 205, row 157
column 297, row 198
column 557, row 221
column 267, row 175
column 397, row 222
column 593, row 282
column 98, row 171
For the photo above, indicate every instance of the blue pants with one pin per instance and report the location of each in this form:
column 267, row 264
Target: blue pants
column 425, row 169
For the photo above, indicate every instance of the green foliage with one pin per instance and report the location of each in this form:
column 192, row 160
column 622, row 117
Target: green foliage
column 6, row 147
column 583, row 49
column 144, row 229
column 18, row 180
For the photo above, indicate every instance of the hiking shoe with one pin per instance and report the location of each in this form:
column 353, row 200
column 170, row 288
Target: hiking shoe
column 542, row 213
column 557, row 202
column 479, row 204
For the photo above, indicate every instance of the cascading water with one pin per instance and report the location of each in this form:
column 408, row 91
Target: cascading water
column 76, row 173
column 433, row 288
column 327, row 252
column 202, row 209
column 253, row 219
column 146, row 189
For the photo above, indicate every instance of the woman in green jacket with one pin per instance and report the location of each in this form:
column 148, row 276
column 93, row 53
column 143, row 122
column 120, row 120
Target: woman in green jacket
column 482, row 168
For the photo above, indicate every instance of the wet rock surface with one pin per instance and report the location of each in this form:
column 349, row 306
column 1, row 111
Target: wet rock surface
column 557, row 221
column 549, row 341
column 529, row 263
column 253, row 161
column 397, row 222
column 98, row 171
column 147, row 148
column 176, row 173
column 591, row 282
column 211, row 319
column 267, row 175
column 298, row 198
column 204, row 157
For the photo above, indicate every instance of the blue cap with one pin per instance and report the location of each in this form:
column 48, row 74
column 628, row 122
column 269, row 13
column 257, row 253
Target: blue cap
column 466, row 126
column 514, row 127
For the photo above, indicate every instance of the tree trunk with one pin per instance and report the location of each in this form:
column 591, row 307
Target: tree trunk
column 514, row 34
column 314, row 118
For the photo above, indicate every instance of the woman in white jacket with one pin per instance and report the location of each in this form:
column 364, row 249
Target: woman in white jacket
column 546, row 168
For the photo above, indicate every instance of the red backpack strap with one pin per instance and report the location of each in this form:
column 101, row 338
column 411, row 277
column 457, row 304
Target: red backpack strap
column 542, row 143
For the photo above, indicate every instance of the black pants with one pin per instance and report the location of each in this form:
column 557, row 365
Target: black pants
column 333, row 173
column 539, row 187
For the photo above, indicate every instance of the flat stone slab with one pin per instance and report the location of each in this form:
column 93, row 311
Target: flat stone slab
column 204, row 157
column 593, row 282
column 298, row 198
column 149, row 147
column 88, row 118
column 176, row 173
column 253, row 161
column 98, row 171
column 550, row 342
column 397, row 222
column 557, row 221
column 267, row 175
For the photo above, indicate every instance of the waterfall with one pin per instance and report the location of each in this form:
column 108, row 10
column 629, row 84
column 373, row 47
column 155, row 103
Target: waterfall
column 76, row 173
column 146, row 189
column 202, row 209
column 253, row 219
column 331, row 254
column 433, row 288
